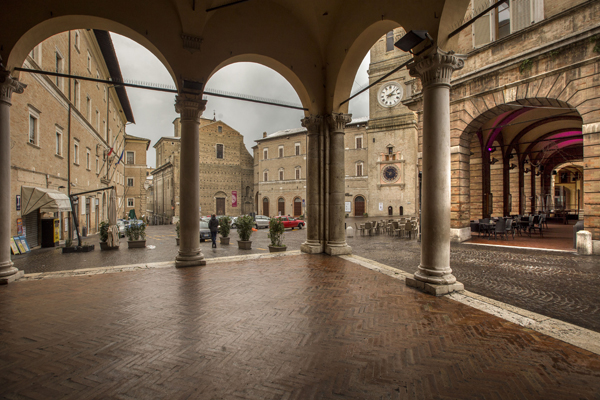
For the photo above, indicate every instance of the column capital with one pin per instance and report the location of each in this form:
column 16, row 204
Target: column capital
column 437, row 68
column 190, row 106
column 8, row 86
column 337, row 121
column 312, row 124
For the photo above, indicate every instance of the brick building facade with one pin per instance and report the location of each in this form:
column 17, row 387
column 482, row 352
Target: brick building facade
column 136, row 171
column 226, row 172
column 62, row 130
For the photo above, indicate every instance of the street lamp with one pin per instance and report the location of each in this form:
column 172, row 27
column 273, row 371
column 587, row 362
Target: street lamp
column 412, row 39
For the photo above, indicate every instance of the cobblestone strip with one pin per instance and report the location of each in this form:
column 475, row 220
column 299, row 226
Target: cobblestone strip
column 139, row 267
column 520, row 247
column 569, row 333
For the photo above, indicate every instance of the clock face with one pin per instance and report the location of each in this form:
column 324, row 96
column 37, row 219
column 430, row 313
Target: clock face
column 390, row 174
column 389, row 94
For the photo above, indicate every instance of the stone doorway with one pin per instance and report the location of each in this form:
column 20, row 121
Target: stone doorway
column 359, row 206
column 297, row 206
column 390, row 210
column 281, row 206
column 220, row 206
column 266, row 206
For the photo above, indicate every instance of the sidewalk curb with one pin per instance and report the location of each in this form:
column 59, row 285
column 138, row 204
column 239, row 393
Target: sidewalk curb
column 139, row 267
column 572, row 334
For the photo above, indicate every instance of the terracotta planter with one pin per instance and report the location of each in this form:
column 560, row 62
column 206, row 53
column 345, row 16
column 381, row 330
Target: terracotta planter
column 277, row 249
column 105, row 246
column 245, row 245
column 225, row 240
column 136, row 244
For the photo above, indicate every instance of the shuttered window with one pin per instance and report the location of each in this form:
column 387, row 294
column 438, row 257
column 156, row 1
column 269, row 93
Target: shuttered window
column 482, row 28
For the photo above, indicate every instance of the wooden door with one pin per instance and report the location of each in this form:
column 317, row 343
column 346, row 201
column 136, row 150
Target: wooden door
column 266, row 207
column 297, row 206
column 359, row 206
column 220, row 206
column 281, row 206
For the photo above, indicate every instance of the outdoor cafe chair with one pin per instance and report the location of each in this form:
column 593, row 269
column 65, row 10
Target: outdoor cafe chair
column 536, row 225
column 510, row 227
column 368, row 226
column 500, row 228
column 360, row 229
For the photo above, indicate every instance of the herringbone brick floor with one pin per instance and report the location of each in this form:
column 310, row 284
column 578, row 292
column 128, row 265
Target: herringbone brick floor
column 293, row 327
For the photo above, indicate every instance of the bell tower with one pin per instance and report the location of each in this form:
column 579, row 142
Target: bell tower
column 392, row 132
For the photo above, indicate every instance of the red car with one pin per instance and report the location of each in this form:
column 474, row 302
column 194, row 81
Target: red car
column 289, row 222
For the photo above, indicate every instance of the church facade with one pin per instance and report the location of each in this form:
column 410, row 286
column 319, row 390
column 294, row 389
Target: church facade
column 226, row 169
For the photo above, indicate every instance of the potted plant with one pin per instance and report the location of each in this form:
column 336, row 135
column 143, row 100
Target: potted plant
column 177, row 231
column 244, row 229
column 276, row 233
column 104, row 237
column 136, row 235
column 224, row 229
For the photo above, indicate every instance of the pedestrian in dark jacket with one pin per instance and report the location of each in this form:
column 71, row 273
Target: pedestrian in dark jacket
column 213, row 225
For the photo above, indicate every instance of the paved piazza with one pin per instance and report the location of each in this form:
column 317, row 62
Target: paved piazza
column 295, row 326
column 556, row 284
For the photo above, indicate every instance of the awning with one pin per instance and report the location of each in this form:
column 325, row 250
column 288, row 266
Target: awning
column 47, row 200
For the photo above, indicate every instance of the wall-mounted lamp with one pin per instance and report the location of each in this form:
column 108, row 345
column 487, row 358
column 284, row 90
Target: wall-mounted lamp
column 494, row 161
column 412, row 39
column 492, row 149
column 554, row 173
column 526, row 161
column 512, row 166
column 472, row 153
column 526, row 170
column 511, row 156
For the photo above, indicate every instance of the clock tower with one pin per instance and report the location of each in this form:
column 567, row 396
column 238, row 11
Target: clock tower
column 392, row 133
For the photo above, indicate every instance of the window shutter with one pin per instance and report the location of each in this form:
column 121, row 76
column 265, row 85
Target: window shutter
column 520, row 14
column 538, row 10
column 482, row 28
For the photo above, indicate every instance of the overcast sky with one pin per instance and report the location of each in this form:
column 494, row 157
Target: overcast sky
column 154, row 111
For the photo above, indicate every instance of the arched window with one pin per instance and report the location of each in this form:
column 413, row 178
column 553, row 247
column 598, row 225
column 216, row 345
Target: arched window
column 266, row 206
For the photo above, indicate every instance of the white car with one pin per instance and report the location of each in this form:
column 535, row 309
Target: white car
column 261, row 221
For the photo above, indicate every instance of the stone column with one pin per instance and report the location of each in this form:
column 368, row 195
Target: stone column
column 8, row 86
column 313, row 126
column 434, row 274
column 190, row 107
column 591, row 182
column 336, row 245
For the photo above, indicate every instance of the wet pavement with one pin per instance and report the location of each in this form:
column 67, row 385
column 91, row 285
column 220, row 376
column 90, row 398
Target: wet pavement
column 560, row 285
column 291, row 327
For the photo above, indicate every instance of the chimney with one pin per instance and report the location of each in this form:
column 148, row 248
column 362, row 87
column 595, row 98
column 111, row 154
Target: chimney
column 264, row 134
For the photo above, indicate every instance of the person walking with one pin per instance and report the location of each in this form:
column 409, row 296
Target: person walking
column 213, row 225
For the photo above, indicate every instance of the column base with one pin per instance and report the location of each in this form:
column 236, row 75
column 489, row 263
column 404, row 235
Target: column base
column 459, row 235
column 5, row 280
column 436, row 290
column 338, row 249
column 184, row 261
column 311, row 247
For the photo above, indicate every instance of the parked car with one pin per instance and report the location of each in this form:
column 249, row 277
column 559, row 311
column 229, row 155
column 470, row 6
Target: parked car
column 122, row 224
column 290, row 222
column 204, row 231
column 261, row 221
column 233, row 222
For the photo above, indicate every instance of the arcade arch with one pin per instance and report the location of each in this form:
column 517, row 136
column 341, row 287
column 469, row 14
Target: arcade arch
column 512, row 153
